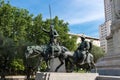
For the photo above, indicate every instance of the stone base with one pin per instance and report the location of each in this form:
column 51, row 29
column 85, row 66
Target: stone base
column 109, row 65
column 108, row 78
column 65, row 76
column 14, row 78
column 108, row 72
column 54, row 63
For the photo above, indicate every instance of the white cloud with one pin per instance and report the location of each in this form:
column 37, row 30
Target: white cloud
column 86, row 18
column 81, row 11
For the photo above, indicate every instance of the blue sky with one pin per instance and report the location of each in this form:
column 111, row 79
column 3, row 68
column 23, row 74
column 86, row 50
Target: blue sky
column 83, row 16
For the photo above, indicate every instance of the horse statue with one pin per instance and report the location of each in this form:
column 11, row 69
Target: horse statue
column 42, row 52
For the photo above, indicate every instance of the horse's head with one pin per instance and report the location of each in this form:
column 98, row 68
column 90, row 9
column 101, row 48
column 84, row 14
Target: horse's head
column 32, row 51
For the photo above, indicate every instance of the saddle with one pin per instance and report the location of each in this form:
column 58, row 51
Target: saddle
column 56, row 48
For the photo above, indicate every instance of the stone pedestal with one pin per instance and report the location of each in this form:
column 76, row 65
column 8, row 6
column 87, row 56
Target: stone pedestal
column 108, row 78
column 66, row 76
column 54, row 63
column 110, row 64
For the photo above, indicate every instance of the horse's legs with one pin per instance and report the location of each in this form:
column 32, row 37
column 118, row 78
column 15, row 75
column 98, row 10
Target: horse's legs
column 61, row 60
column 66, row 65
column 48, row 64
column 39, row 64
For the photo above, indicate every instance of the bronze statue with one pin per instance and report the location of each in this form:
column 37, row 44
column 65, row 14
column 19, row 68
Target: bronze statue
column 82, row 49
column 65, row 54
column 82, row 56
column 90, row 46
column 53, row 45
column 41, row 51
column 53, row 34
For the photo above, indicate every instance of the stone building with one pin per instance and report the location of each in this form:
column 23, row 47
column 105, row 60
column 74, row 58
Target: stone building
column 104, row 29
column 88, row 38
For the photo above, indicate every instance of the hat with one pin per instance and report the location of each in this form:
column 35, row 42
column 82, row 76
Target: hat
column 82, row 36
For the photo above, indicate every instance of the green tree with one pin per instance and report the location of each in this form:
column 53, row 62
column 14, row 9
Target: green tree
column 13, row 24
column 14, row 21
column 5, row 19
column 97, row 52
column 34, row 33
column 7, row 54
column 17, row 65
column 71, row 43
column 22, row 20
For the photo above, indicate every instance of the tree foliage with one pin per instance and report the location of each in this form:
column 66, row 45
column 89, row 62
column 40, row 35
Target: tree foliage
column 97, row 52
column 7, row 54
column 17, row 64
column 14, row 21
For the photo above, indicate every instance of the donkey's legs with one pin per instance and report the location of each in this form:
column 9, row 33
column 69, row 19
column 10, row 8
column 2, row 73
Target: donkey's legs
column 69, row 65
column 93, row 64
column 61, row 63
column 89, row 67
column 94, row 67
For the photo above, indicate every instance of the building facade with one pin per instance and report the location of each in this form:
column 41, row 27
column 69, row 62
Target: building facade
column 95, row 41
column 108, row 10
column 104, row 29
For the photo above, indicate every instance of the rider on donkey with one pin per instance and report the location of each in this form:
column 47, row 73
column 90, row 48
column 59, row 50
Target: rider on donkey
column 83, row 49
column 53, row 39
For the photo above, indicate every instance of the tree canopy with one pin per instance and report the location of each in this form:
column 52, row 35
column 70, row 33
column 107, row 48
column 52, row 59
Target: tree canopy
column 97, row 52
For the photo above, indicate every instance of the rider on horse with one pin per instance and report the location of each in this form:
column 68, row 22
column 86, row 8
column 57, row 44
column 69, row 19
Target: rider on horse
column 83, row 49
column 53, row 40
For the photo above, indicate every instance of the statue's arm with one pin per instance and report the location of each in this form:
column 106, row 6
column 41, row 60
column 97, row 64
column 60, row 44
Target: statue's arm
column 56, row 33
column 45, row 30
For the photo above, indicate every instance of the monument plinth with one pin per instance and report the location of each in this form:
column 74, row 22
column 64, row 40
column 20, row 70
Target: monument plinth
column 65, row 76
column 110, row 64
column 53, row 65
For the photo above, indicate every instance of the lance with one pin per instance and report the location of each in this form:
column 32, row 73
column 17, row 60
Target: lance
column 52, row 32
